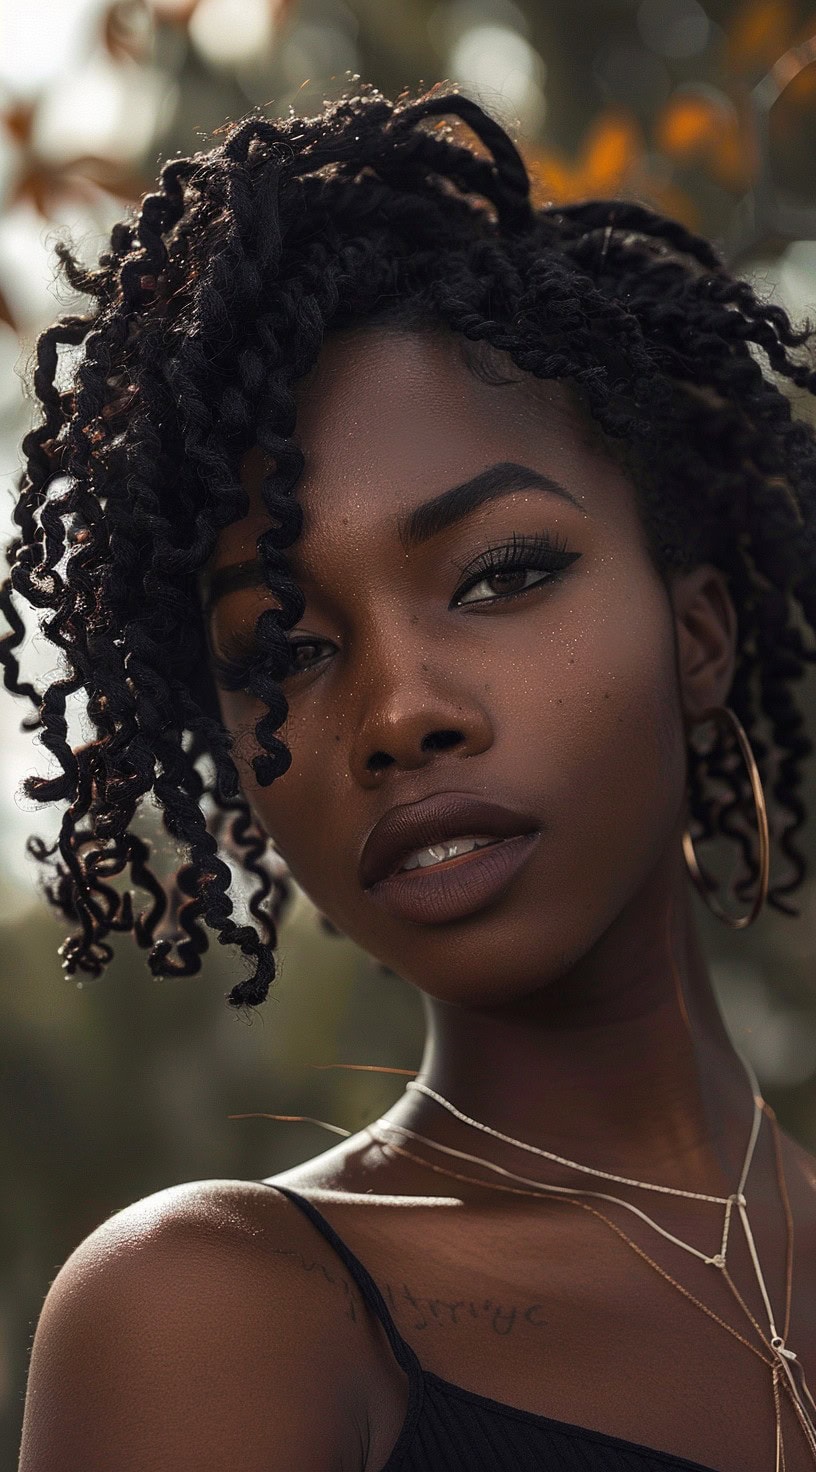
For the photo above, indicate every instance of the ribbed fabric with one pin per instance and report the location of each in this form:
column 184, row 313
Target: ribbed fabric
column 450, row 1429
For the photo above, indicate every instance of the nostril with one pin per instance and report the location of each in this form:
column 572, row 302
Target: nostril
column 440, row 740
column 379, row 760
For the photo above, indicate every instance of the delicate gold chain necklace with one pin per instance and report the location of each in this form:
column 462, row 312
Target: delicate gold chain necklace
column 782, row 1359
column 736, row 1198
column 591, row 1170
column 772, row 1362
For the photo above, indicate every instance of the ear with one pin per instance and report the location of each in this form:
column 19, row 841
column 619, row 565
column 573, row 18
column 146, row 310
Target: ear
column 706, row 630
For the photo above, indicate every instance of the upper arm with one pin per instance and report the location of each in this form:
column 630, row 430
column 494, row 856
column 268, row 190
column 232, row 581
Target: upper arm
column 172, row 1343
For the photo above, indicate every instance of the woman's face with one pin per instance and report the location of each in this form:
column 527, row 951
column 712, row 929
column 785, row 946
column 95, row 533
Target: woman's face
column 562, row 702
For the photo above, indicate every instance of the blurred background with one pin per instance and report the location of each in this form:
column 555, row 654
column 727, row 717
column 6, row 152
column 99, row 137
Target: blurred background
column 707, row 111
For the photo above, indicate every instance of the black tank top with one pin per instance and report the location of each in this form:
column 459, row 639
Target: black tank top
column 450, row 1429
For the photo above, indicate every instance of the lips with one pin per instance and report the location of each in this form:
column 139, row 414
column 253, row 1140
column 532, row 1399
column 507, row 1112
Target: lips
column 443, row 815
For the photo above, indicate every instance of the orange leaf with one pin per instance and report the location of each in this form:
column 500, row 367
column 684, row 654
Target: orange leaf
column 688, row 122
column 34, row 186
column 696, row 127
column 554, row 183
column 81, row 180
column 111, row 175
column 759, row 34
column 612, row 146
column 610, row 149
column 551, row 180
column 669, row 199
column 18, row 121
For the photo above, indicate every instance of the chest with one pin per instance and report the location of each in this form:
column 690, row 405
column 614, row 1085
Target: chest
column 636, row 1339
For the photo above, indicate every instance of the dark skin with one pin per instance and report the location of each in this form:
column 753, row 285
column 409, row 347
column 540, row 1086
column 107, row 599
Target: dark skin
column 576, row 1011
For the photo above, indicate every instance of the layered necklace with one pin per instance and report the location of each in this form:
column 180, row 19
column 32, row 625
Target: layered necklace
column 785, row 1367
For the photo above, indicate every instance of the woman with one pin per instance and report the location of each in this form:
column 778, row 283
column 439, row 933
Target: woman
column 500, row 517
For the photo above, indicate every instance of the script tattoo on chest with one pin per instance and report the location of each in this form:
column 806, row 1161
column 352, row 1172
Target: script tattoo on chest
column 501, row 1317
column 311, row 1265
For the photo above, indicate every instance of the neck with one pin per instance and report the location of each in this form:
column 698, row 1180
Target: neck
column 622, row 1062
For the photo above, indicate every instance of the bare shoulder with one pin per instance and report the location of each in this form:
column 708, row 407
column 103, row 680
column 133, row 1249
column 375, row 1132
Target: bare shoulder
column 183, row 1333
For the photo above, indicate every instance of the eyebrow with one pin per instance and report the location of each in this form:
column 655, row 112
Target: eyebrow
column 421, row 524
column 442, row 511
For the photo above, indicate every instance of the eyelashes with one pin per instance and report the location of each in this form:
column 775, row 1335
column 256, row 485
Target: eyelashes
column 523, row 553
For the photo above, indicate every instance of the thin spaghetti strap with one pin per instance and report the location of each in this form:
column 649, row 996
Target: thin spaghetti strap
column 402, row 1350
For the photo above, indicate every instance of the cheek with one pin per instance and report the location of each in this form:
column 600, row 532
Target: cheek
column 286, row 809
column 607, row 736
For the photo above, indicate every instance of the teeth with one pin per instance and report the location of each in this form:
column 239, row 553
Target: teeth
column 449, row 848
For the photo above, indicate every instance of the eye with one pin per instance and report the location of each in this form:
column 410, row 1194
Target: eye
column 512, row 563
column 296, row 645
column 234, row 665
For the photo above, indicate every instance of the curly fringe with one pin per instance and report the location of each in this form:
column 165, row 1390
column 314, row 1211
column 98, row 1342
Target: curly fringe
column 212, row 301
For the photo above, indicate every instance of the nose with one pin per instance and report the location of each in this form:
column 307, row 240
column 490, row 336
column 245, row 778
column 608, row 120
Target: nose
column 411, row 753
column 406, row 721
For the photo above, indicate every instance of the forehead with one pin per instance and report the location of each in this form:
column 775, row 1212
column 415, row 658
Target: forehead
column 395, row 382
column 387, row 418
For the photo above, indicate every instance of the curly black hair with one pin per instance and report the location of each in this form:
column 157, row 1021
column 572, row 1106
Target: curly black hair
column 212, row 301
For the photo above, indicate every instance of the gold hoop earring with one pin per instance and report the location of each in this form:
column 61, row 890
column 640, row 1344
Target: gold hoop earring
column 736, row 922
